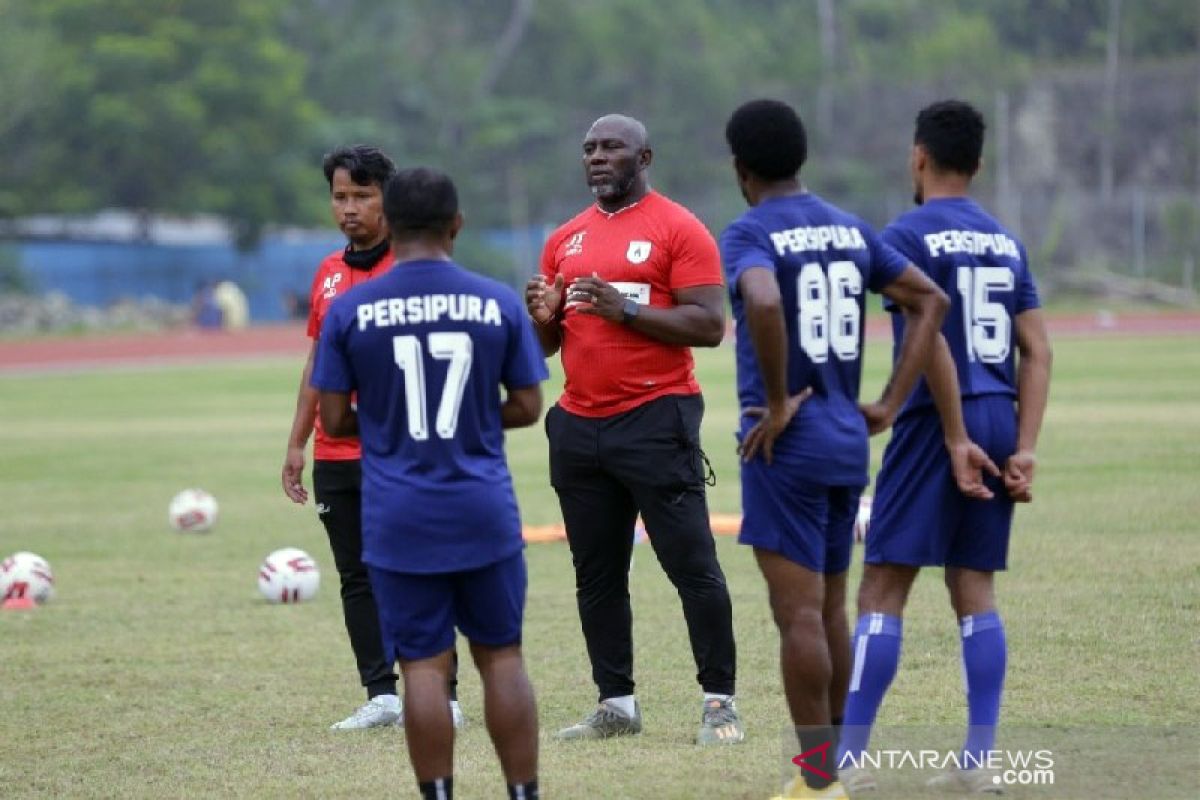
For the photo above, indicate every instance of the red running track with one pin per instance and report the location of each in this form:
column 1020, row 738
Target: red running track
column 181, row 347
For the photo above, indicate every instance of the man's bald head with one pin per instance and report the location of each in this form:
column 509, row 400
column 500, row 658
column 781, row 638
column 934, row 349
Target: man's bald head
column 627, row 128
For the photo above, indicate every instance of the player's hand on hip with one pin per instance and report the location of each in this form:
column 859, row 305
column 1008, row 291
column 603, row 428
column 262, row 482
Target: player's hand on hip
column 879, row 416
column 770, row 426
column 543, row 300
column 968, row 461
column 293, row 475
column 1018, row 475
column 597, row 297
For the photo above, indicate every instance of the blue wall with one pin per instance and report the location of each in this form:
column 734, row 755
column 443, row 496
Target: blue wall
column 100, row 273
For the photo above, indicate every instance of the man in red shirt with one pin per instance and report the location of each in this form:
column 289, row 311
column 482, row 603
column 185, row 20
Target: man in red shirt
column 626, row 288
column 357, row 177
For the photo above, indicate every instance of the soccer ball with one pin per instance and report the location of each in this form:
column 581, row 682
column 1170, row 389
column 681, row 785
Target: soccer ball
column 288, row 576
column 26, row 575
column 192, row 511
column 863, row 521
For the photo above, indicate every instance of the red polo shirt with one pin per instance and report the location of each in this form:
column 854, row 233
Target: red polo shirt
column 646, row 250
column 335, row 277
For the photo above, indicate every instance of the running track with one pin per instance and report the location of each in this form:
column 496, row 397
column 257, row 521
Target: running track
column 181, row 347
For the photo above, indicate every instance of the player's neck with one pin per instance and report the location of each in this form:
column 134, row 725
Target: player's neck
column 945, row 187
column 371, row 245
column 769, row 190
column 421, row 250
column 636, row 194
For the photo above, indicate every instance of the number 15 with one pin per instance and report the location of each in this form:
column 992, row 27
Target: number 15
column 986, row 322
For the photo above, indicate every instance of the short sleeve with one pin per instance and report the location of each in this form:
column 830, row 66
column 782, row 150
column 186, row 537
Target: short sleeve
column 524, row 362
column 886, row 261
column 314, row 306
column 548, row 266
column 332, row 371
column 743, row 247
column 695, row 260
column 1027, row 293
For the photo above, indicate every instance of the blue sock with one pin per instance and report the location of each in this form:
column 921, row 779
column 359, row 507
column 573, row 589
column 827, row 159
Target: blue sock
column 876, row 656
column 984, row 656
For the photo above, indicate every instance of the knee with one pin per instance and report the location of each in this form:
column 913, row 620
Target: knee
column 798, row 621
column 884, row 591
column 971, row 591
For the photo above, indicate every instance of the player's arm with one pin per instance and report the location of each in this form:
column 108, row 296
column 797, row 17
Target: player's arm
column 696, row 320
column 924, row 306
column 967, row 459
column 543, row 301
column 768, row 331
column 1033, row 391
column 522, row 407
column 338, row 417
column 302, row 428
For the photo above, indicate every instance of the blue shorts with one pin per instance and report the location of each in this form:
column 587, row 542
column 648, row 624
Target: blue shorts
column 918, row 515
column 809, row 523
column 419, row 612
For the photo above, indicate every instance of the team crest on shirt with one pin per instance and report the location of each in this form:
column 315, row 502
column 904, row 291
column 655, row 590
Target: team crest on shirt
column 575, row 244
column 330, row 286
column 638, row 252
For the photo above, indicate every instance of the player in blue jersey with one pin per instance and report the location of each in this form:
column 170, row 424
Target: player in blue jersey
column 797, row 270
column 428, row 347
column 919, row 519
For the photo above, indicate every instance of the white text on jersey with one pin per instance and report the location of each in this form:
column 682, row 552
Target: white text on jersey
column 975, row 243
column 392, row 311
column 821, row 237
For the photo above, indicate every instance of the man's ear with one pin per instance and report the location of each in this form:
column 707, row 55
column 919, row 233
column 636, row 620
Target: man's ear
column 739, row 169
column 457, row 225
column 920, row 158
column 645, row 157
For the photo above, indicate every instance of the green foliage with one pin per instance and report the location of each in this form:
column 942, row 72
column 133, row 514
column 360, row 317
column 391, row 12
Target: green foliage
column 224, row 106
column 188, row 106
column 13, row 279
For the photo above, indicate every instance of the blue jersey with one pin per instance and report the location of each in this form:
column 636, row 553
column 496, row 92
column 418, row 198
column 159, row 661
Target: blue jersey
column 824, row 259
column 427, row 347
column 984, row 270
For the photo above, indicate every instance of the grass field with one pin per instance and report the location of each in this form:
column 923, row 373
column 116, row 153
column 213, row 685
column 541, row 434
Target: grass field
column 158, row 672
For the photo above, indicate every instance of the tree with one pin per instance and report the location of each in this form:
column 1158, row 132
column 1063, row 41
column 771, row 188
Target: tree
column 184, row 106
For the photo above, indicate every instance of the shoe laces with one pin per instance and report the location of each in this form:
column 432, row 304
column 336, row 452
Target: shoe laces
column 605, row 715
column 719, row 712
column 368, row 709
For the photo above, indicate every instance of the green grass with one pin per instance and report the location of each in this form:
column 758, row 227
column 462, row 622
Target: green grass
column 157, row 671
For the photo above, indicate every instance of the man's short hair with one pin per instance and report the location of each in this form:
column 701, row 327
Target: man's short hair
column 367, row 165
column 951, row 131
column 420, row 200
column 768, row 138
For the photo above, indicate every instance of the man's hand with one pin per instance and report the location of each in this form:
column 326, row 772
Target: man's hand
column 1018, row 475
column 968, row 462
column 770, row 426
column 597, row 296
column 293, row 475
column 879, row 416
column 543, row 300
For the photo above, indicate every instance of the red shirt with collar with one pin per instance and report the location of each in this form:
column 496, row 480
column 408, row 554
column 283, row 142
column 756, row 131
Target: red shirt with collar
column 334, row 278
column 647, row 250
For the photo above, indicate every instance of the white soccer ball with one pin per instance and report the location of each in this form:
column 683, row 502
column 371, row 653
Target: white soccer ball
column 863, row 521
column 192, row 511
column 26, row 575
column 288, row 576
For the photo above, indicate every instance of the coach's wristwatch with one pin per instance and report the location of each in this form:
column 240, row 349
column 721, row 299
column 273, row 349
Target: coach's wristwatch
column 629, row 312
